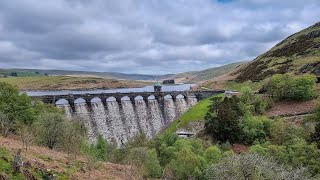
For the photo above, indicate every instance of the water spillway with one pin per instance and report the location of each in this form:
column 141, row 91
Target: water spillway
column 120, row 119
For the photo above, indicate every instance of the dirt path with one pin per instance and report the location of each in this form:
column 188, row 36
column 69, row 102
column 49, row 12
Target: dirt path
column 291, row 108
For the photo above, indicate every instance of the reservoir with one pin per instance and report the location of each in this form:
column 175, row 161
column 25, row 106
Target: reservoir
column 178, row 87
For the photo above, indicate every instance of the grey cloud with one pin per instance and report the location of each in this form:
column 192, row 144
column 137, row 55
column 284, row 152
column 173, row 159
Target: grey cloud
column 148, row 36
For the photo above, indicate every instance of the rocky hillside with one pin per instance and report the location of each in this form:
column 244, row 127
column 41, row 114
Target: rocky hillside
column 298, row 54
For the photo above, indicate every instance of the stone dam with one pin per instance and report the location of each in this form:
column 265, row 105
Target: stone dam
column 118, row 117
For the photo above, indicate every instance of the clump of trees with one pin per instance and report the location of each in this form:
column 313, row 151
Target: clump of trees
column 237, row 119
column 290, row 87
column 35, row 122
column 252, row 166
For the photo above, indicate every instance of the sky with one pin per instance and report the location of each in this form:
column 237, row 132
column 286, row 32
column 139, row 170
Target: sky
column 145, row 36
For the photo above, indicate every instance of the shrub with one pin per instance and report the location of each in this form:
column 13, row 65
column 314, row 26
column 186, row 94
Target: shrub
column 152, row 164
column 213, row 154
column 289, row 87
column 50, row 127
column 186, row 165
column 16, row 106
column 255, row 128
column 282, row 132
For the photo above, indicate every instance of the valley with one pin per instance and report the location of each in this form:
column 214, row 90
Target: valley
column 159, row 90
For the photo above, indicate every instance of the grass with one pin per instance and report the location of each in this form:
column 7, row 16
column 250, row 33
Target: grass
column 194, row 114
column 68, row 83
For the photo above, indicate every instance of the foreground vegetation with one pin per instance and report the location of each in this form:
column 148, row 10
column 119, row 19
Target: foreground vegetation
column 272, row 148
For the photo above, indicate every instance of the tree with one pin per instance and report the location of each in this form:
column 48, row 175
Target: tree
column 73, row 135
column 222, row 120
column 289, row 87
column 282, row 132
column 255, row 128
column 26, row 135
column 17, row 106
column 213, row 154
column 51, row 128
column 6, row 124
column 186, row 165
column 315, row 137
column 152, row 164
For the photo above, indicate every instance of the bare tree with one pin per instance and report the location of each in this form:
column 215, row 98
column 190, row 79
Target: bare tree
column 26, row 136
column 252, row 166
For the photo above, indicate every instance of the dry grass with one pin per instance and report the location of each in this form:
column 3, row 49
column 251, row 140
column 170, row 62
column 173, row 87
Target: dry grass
column 58, row 162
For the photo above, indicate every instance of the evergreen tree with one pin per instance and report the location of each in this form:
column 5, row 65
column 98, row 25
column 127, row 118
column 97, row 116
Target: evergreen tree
column 222, row 120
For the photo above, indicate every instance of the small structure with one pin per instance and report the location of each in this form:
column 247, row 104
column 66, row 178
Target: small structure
column 185, row 134
column 157, row 87
column 168, row 81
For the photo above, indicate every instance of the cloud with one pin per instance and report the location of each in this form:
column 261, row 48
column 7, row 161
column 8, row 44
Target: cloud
column 147, row 36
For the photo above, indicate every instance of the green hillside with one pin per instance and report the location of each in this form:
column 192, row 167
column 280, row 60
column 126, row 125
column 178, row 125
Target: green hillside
column 194, row 114
column 299, row 53
column 207, row 74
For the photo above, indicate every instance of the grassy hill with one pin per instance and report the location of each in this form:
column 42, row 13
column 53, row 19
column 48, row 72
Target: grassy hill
column 198, row 76
column 69, row 83
column 299, row 53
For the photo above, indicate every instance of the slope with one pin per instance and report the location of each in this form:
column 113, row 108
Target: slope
column 299, row 53
column 199, row 76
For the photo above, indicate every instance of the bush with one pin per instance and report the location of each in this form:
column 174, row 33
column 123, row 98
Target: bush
column 282, row 132
column 255, row 128
column 186, row 165
column 213, row 154
column 289, row 87
column 50, row 127
column 152, row 164
column 16, row 106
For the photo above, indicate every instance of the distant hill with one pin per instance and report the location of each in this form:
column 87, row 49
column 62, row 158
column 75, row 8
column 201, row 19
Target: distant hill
column 204, row 75
column 187, row 77
column 109, row 75
column 298, row 54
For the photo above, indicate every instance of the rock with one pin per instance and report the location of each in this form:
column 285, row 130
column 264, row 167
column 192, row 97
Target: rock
column 3, row 176
column 17, row 162
column 314, row 34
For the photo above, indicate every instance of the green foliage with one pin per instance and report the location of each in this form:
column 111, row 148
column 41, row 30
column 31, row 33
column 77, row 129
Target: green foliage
column 222, row 119
column 17, row 106
column 152, row 164
column 213, row 154
column 315, row 137
column 101, row 148
column 289, row 87
column 186, row 165
column 282, row 132
column 50, row 129
column 318, row 111
column 255, row 128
